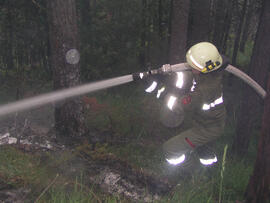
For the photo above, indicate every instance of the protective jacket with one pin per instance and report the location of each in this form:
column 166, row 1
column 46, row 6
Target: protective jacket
column 208, row 115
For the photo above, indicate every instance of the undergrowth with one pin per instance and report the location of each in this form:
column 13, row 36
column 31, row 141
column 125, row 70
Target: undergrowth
column 132, row 118
column 243, row 58
column 19, row 169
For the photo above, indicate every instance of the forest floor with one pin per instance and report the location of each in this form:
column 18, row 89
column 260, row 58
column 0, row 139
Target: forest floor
column 32, row 133
column 123, row 163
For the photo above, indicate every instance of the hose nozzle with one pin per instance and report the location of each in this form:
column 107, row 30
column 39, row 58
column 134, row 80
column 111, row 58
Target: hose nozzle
column 165, row 69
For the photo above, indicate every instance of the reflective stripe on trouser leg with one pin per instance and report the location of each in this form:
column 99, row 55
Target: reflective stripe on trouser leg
column 178, row 145
column 177, row 149
column 206, row 155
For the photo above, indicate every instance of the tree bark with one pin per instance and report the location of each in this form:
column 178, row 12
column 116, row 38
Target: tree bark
column 238, row 33
column 142, row 55
column 258, row 69
column 160, row 19
column 245, row 32
column 9, row 36
column 226, row 26
column 199, row 22
column 63, row 34
column 258, row 189
column 218, row 27
column 179, row 26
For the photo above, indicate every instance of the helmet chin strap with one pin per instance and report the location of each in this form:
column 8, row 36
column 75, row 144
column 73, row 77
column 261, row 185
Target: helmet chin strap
column 231, row 69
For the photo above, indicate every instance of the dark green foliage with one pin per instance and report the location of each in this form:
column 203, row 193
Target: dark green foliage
column 114, row 37
column 24, row 44
column 117, row 37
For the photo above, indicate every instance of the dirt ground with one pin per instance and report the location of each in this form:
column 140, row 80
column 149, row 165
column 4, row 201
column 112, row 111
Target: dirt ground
column 33, row 131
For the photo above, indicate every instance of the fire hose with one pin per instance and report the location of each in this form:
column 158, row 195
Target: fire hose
column 59, row 95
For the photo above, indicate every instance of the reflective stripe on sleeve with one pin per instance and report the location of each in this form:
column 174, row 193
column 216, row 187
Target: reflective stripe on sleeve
column 152, row 87
column 180, row 80
column 160, row 91
column 193, row 86
column 171, row 102
column 218, row 101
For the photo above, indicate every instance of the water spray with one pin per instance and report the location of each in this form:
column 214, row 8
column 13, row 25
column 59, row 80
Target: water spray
column 30, row 103
column 59, row 95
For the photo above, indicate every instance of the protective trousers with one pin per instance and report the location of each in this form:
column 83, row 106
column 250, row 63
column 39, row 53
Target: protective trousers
column 190, row 140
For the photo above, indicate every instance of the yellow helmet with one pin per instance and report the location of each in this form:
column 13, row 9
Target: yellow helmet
column 204, row 57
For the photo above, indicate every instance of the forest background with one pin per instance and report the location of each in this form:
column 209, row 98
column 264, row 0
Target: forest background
column 126, row 36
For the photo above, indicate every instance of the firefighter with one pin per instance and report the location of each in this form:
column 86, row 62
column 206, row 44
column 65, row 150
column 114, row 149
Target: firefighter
column 204, row 102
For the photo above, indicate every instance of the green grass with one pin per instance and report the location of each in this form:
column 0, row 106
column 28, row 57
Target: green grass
column 76, row 193
column 18, row 168
column 66, row 191
column 40, row 174
column 133, row 118
column 149, row 157
column 205, row 186
column 27, row 169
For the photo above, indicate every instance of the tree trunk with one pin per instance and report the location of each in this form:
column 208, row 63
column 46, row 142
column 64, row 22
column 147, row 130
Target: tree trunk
column 169, row 36
column 86, row 17
column 226, row 26
column 63, row 34
column 160, row 19
column 179, row 25
column 258, row 189
column 142, row 55
column 258, row 68
column 245, row 33
column 9, row 37
column 218, row 27
column 238, row 33
column 199, row 22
